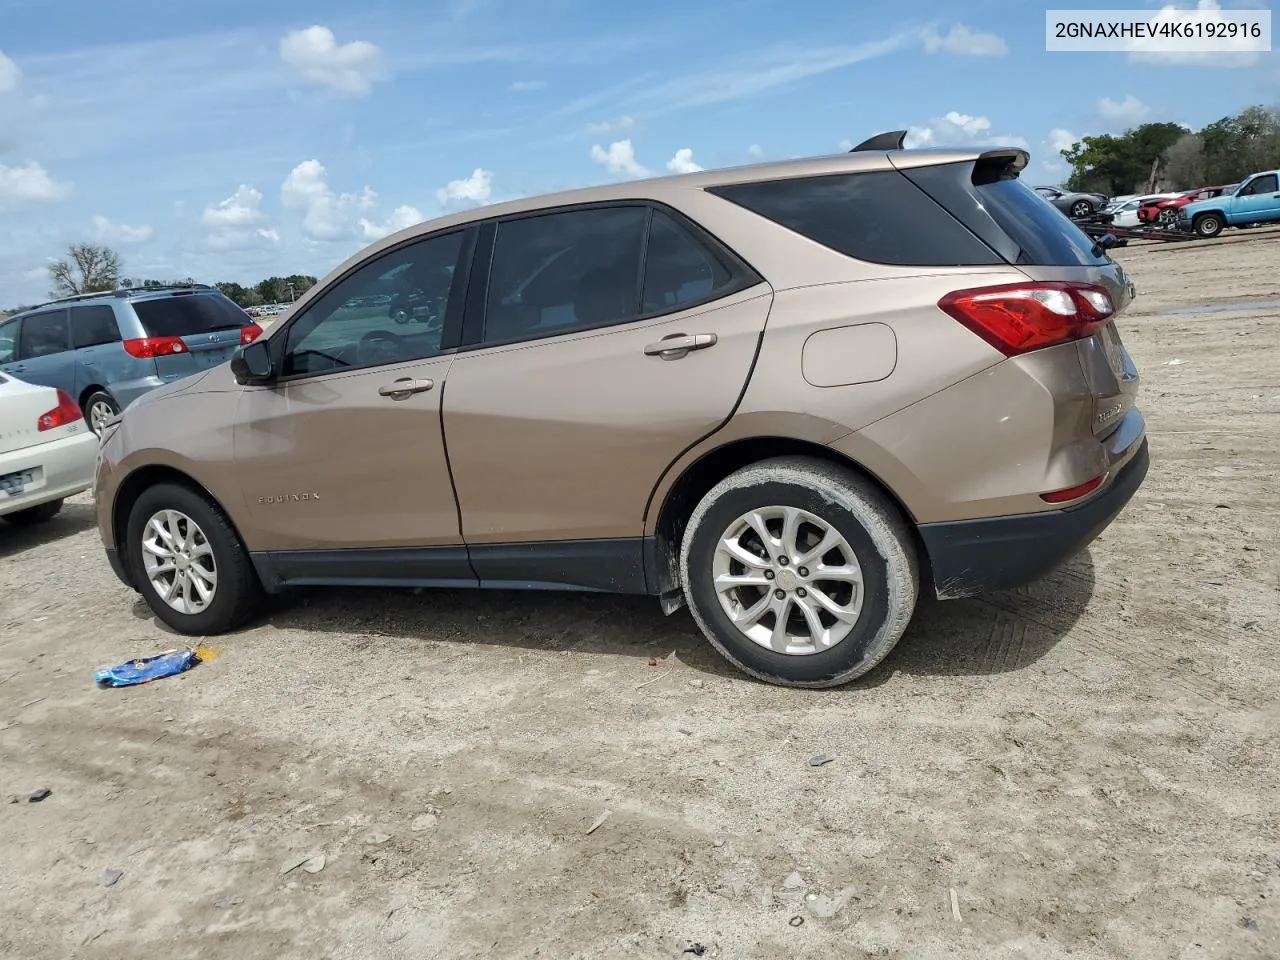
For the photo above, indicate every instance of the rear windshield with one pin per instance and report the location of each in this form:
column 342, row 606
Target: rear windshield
column 185, row 315
column 1010, row 216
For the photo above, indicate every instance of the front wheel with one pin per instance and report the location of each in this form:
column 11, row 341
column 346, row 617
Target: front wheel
column 799, row 573
column 1081, row 209
column 189, row 563
column 1207, row 225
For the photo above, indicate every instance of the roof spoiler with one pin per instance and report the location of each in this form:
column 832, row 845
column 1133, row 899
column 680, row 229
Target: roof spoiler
column 1005, row 164
column 892, row 140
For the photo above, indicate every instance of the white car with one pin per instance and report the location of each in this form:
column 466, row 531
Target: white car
column 47, row 451
column 1124, row 212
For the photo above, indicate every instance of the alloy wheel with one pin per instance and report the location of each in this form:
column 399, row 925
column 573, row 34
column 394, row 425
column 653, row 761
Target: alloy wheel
column 788, row 580
column 179, row 563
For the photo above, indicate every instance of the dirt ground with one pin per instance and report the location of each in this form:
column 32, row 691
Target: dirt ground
column 1084, row 768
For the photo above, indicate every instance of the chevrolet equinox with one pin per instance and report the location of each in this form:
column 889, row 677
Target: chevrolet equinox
column 791, row 395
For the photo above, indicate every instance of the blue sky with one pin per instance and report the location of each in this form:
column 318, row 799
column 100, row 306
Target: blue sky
column 229, row 140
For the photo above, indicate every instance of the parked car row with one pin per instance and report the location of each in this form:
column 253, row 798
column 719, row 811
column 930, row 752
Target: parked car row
column 107, row 349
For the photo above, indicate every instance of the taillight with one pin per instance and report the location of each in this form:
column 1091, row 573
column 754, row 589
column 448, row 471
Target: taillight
column 148, row 348
column 66, row 412
column 250, row 333
column 1020, row 317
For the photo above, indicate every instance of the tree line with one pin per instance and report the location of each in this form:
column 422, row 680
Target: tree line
column 1159, row 157
column 94, row 268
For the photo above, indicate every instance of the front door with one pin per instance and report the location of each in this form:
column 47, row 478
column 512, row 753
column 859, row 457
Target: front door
column 592, row 376
column 44, row 354
column 343, row 459
column 1258, row 200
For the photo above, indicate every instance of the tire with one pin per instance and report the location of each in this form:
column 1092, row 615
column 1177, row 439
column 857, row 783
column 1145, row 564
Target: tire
column 1207, row 225
column 1081, row 209
column 41, row 513
column 872, row 529
column 236, row 595
column 98, row 409
column 401, row 315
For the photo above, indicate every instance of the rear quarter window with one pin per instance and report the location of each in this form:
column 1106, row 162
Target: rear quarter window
column 184, row 316
column 878, row 216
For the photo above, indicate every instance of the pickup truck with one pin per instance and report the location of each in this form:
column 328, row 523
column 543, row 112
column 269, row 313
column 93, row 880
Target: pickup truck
column 1256, row 200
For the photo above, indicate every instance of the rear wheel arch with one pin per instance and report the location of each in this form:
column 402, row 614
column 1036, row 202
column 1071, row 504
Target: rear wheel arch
column 699, row 477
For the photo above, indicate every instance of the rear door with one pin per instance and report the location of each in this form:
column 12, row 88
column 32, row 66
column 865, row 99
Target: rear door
column 100, row 357
column 44, row 351
column 208, row 324
column 610, row 340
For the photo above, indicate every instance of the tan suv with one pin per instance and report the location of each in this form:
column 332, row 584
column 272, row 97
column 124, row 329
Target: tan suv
column 791, row 395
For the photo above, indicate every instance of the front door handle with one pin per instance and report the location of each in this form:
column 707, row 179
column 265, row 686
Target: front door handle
column 405, row 387
column 677, row 345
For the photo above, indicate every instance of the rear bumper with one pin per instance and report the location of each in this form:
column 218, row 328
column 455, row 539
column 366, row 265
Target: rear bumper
column 969, row 557
column 60, row 468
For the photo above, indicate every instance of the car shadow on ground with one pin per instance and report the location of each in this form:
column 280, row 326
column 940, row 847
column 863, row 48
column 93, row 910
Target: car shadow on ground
column 997, row 633
column 74, row 518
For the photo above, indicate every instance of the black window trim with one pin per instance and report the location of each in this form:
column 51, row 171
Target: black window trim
column 742, row 275
column 449, row 336
column 20, row 355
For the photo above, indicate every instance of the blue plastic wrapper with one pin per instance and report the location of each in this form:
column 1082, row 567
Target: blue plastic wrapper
column 146, row 669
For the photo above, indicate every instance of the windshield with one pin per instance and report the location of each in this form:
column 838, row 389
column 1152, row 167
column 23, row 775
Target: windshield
column 189, row 314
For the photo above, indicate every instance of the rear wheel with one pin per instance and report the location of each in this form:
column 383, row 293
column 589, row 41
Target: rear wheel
column 1207, row 225
column 189, row 563
column 33, row 515
column 98, row 409
column 799, row 573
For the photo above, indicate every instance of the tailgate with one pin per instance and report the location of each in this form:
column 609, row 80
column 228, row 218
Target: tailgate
column 208, row 324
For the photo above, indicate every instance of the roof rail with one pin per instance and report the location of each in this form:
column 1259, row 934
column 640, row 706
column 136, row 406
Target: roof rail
column 124, row 292
column 882, row 141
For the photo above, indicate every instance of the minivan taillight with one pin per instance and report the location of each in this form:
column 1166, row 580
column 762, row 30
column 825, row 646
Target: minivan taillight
column 148, row 348
column 66, row 412
column 1020, row 317
column 249, row 333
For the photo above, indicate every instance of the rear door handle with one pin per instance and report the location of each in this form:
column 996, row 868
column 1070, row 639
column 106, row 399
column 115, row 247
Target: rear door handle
column 405, row 387
column 677, row 345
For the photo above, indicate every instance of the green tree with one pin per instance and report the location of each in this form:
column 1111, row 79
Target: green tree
column 87, row 268
column 1235, row 147
column 1118, row 164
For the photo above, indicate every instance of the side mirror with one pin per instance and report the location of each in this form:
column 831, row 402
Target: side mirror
column 252, row 364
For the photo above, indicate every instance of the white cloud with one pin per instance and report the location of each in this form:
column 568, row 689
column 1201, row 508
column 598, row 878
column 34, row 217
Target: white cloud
column 963, row 42
column 326, row 215
column 1060, row 140
column 401, row 217
column 612, row 126
column 30, row 183
column 107, row 232
column 682, row 162
column 619, row 159
column 1179, row 58
column 233, row 239
column 474, row 190
column 845, row 145
column 1123, row 113
column 754, row 151
column 316, row 56
column 522, row 86
column 9, row 74
column 239, row 209
column 957, row 129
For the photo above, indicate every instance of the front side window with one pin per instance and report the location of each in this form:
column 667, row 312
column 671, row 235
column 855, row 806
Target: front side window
column 1259, row 185
column 43, row 334
column 91, row 326
column 560, row 272
column 390, row 310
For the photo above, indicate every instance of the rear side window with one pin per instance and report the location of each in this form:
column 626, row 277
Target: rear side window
column 679, row 271
column 43, row 334
column 91, row 326
column 185, row 315
column 879, row 216
column 1011, row 217
column 8, row 342
column 559, row 272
